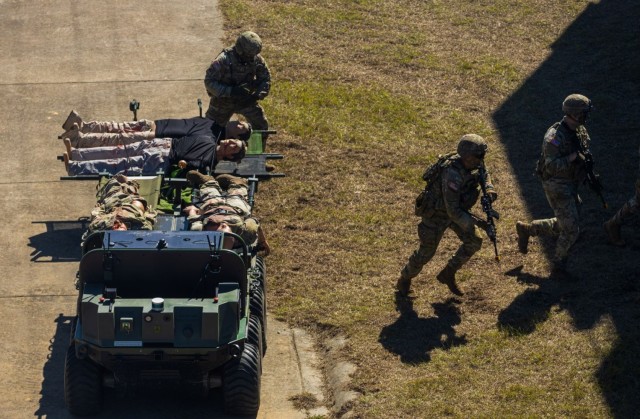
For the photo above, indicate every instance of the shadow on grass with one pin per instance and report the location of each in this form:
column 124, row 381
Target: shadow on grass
column 598, row 55
column 413, row 337
column 534, row 305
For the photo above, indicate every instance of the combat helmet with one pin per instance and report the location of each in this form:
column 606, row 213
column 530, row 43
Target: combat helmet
column 576, row 104
column 472, row 145
column 248, row 44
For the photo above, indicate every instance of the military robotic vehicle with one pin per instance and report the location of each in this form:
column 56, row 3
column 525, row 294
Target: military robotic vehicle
column 169, row 306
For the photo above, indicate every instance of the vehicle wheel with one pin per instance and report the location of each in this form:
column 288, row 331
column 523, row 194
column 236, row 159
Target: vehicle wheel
column 254, row 333
column 82, row 384
column 257, row 307
column 262, row 272
column 241, row 382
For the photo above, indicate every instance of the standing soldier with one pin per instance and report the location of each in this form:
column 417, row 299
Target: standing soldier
column 236, row 80
column 612, row 227
column 452, row 189
column 561, row 168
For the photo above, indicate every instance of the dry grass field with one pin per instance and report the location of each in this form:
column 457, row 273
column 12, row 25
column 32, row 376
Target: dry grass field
column 365, row 94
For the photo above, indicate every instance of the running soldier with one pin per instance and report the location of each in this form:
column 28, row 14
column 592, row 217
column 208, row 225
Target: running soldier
column 562, row 168
column 452, row 189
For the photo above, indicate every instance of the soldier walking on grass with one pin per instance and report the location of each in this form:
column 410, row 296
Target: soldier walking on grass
column 562, row 168
column 631, row 207
column 236, row 80
column 453, row 187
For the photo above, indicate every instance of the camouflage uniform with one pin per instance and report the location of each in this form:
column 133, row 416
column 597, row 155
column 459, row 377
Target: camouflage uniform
column 560, row 180
column 628, row 209
column 449, row 199
column 225, row 201
column 116, row 200
column 235, row 83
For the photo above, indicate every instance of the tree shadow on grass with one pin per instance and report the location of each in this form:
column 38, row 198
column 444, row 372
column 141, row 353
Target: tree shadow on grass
column 597, row 55
column 413, row 337
column 533, row 306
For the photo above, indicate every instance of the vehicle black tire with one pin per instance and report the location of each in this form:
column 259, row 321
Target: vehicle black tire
column 82, row 384
column 254, row 333
column 241, row 382
column 257, row 307
column 262, row 271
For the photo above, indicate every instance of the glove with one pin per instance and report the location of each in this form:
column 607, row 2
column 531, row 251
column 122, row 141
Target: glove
column 482, row 224
column 493, row 195
column 260, row 95
column 240, row 91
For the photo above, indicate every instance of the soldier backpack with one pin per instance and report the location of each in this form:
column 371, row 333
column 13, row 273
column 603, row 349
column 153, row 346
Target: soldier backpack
column 425, row 201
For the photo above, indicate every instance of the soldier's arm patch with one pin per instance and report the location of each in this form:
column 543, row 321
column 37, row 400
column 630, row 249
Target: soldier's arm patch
column 215, row 66
column 453, row 186
column 553, row 137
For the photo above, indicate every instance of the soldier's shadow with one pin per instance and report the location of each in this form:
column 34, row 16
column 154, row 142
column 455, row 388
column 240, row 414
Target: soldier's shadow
column 60, row 243
column 413, row 337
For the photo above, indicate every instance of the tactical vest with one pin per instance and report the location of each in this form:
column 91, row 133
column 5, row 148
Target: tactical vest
column 237, row 71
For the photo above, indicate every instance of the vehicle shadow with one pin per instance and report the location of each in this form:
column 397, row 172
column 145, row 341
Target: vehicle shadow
column 597, row 55
column 145, row 402
column 60, row 243
column 413, row 337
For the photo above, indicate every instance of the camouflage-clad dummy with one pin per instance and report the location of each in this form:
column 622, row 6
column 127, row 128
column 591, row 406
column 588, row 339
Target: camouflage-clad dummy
column 221, row 204
column 236, row 80
column 561, row 169
column 630, row 208
column 120, row 207
column 449, row 195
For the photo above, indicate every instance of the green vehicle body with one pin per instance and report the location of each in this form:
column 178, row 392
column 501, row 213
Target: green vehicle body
column 167, row 307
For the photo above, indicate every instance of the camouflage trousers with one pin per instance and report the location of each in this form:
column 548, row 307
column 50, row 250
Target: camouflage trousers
column 109, row 139
column 430, row 232
column 565, row 202
column 115, row 200
column 629, row 208
column 211, row 195
column 211, row 198
column 221, row 110
column 112, row 126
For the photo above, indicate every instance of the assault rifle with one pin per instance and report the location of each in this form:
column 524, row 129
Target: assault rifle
column 492, row 214
column 592, row 178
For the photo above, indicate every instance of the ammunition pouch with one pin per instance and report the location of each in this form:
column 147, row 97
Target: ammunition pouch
column 425, row 205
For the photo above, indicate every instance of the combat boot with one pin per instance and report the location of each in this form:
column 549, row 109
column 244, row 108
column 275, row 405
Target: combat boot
column 448, row 277
column 403, row 285
column 225, row 181
column 73, row 118
column 522, row 229
column 196, row 178
column 612, row 228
